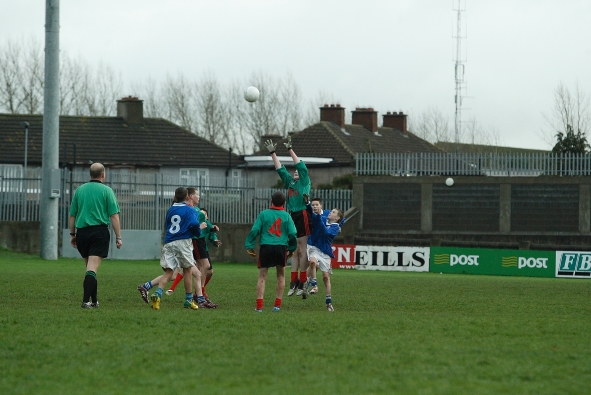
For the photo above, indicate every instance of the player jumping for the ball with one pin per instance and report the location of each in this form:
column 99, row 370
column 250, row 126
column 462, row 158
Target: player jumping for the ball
column 298, row 191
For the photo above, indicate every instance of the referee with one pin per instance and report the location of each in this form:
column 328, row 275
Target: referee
column 94, row 205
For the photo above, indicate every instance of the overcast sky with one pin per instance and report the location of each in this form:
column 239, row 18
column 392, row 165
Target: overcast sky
column 390, row 55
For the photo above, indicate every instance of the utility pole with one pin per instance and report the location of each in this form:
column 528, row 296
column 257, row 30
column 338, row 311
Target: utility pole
column 50, row 189
column 459, row 70
column 26, row 177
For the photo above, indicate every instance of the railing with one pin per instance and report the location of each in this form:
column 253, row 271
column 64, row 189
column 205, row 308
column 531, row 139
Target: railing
column 145, row 198
column 470, row 164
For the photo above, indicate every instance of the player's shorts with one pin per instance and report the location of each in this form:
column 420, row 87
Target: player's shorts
column 303, row 223
column 272, row 255
column 93, row 241
column 200, row 249
column 177, row 254
column 324, row 261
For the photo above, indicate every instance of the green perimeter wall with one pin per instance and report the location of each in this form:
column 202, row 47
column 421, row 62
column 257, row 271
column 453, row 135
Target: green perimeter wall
column 492, row 261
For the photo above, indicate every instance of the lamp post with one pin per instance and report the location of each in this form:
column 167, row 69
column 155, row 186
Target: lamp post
column 24, row 211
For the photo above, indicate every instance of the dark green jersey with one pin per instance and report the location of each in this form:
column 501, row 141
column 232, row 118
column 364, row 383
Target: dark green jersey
column 296, row 189
column 275, row 227
column 208, row 235
column 93, row 204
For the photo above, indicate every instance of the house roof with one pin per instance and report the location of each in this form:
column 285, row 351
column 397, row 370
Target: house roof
column 111, row 141
column 326, row 139
column 480, row 148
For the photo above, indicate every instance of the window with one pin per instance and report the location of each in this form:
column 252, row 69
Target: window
column 237, row 178
column 195, row 177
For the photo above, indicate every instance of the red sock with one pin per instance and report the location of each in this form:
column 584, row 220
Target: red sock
column 176, row 281
column 207, row 278
column 294, row 276
column 303, row 277
column 259, row 304
column 277, row 302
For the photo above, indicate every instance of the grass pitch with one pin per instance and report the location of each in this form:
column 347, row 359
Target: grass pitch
column 405, row 333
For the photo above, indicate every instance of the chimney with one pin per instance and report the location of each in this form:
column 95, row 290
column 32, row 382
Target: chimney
column 131, row 109
column 395, row 120
column 366, row 117
column 334, row 114
column 274, row 137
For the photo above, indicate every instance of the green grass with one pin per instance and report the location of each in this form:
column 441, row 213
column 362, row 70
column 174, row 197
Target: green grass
column 406, row 333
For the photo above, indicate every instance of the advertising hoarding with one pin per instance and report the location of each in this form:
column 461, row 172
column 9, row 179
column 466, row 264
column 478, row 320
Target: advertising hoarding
column 491, row 261
column 344, row 256
column 406, row 259
column 573, row 264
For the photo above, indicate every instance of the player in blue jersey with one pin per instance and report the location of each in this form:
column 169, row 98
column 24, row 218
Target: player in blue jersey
column 181, row 225
column 320, row 248
column 312, row 285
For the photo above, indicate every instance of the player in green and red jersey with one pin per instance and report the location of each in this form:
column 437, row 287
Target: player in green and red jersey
column 298, row 191
column 277, row 235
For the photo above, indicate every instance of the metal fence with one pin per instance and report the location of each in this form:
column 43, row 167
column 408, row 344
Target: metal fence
column 470, row 164
column 145, row 198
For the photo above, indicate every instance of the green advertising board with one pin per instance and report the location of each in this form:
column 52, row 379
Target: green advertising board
column 489, row 261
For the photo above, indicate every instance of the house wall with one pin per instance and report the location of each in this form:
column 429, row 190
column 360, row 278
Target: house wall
column 267, row 177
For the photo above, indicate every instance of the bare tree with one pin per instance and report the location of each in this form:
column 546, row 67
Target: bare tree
column 32, row 78
column 150, row 93
column 290, row 111
column 108, row 88
column 179, row 102
column 10, row 77
column 238, row 136
column 571, row 108
column 71, row 80
column 212, row 111
column 311, row 115
column 431, row 125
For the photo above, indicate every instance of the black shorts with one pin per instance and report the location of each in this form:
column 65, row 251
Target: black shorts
column 303, row 223
column 199, row 250
column 93, row 241
column 272, row 255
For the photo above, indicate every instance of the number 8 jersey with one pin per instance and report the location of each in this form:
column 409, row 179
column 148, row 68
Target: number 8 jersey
column 181, row 223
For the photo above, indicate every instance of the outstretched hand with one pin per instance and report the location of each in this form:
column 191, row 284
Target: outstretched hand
column 252, row 253
column 271, row 146
column 288, row 145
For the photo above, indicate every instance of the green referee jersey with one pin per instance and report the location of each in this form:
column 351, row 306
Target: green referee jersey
column 296, row 189
column 93, row 204
column 275, row 227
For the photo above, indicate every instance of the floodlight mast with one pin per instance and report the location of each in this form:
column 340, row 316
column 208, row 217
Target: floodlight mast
column 50, row 160
column 25, row 172
column 459, row 72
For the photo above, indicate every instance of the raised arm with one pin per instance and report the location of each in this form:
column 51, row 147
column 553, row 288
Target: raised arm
column 271, row 146
column 289, row 147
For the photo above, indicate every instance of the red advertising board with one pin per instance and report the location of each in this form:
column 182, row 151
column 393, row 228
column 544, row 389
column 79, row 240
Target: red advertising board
column 344, row 256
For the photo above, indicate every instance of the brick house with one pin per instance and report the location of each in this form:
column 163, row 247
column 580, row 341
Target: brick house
column 328, row 147
column 128, row 143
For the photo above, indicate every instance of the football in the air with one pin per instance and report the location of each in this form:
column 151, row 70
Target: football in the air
column 251, row 94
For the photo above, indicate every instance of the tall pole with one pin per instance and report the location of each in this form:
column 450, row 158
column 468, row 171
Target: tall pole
column 50, row 161
column 459, row 74
column 26, row 183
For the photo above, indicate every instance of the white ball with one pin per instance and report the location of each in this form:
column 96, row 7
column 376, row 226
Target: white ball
column 251, row 94
column 449, row 182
